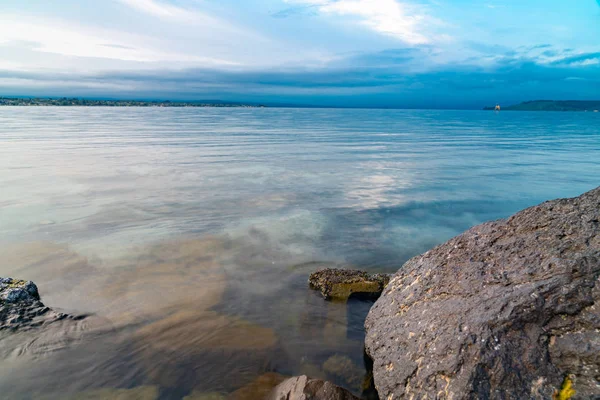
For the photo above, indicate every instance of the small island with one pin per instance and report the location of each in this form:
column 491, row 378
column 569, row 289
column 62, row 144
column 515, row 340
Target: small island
column 553, row 105
column 80, row 102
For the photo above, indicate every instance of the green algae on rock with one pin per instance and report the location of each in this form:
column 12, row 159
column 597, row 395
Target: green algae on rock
column 340, row 284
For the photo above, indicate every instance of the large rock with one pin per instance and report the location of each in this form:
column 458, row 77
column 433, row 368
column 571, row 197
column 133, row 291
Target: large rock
column 340, row 284
column 304, row 388
column 21, row 308
column 508, row 310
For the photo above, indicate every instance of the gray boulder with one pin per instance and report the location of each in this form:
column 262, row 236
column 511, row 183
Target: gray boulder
column 304, row 388
column 508, row 310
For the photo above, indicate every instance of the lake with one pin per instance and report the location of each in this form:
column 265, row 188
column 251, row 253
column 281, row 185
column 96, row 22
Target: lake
column 189, row 233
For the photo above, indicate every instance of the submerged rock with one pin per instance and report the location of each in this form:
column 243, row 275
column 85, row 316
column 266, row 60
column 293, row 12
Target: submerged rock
column 255, row 390
column 166, row 277
column 345, row 371
column 304, row 388
column 226, row 352
column 137, row 393
column 205, row 396
column 341, row 283
column 258, row 389
column 508, row 310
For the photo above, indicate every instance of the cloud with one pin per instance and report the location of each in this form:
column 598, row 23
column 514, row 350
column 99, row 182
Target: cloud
column 379, row 80
column 387, row 17
column 582, row 59
column 50, row 36
column 161, row 10
column 205, row 50
column 192, row 17
column 118, row 46
column 55, row 37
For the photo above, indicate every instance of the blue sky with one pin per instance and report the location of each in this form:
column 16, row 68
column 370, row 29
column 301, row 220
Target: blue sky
column 373, row 53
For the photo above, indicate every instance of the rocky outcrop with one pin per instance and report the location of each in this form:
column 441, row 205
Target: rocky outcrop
column 508, row 310
column 21, row 308
column 20, row 304
column 341, row 283
column 304, row 388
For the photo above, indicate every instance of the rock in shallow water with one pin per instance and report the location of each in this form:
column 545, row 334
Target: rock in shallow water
column 508, row 310
column 341, row 283
column 304, row 388
column 21, row 308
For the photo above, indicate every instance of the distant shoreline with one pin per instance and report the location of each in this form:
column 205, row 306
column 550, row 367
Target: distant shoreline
column 552, row 105
column 535, row 105
column 80, row 102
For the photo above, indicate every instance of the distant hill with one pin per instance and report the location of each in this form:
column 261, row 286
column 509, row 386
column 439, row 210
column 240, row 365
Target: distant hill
column 552, row 105
column 65, row 102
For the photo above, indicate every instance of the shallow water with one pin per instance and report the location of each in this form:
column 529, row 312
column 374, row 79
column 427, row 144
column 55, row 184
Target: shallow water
column 190, row 233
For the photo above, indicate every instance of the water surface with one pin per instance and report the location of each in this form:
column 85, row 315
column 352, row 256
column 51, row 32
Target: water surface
column 190, row 233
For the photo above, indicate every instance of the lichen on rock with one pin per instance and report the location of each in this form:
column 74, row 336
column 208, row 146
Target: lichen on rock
column 15, row 291
column 566, row 392
column 506, row 310
column 340, row 284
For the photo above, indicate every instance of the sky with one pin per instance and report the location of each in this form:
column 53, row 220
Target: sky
column 350, row 53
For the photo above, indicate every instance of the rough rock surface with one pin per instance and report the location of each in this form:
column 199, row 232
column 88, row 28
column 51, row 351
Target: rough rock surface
column 304, row 388
column 21, row 308
column 508, row 310
column 341, row 283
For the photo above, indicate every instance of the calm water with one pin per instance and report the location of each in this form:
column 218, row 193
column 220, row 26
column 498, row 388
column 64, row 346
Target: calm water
column 190, row 233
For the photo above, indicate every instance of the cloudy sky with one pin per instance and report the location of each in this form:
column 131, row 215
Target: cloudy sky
column 377, row 53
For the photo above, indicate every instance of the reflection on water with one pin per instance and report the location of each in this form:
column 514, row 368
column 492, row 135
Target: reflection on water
column 189, row 234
